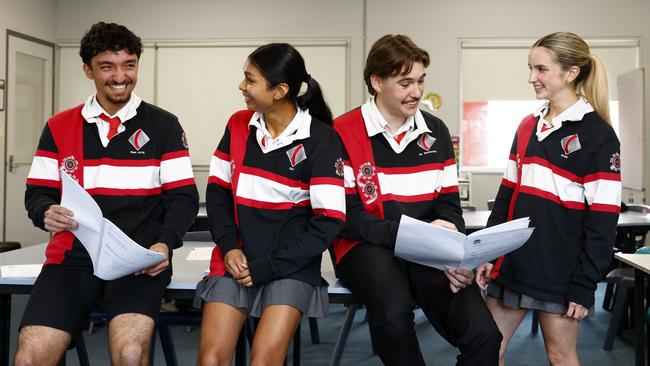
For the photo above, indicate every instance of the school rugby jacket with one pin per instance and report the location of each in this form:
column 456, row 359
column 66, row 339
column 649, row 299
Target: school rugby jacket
column 381, row 185
column 142, row 181
column 282, row 208
column 569, row 185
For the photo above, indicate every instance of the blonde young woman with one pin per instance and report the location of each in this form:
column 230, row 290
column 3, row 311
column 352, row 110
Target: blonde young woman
column 564, row 173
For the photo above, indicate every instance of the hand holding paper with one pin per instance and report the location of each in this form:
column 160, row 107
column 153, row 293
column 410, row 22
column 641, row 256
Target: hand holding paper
column 441, row 248
column 112, row 252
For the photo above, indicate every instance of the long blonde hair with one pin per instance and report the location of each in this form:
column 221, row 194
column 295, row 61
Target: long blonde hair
column 571, row 50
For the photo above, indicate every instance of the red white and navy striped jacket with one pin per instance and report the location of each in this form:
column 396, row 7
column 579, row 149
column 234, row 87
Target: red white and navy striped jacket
column 381, row 185
column 283, row 208
column 569, row 185
column 142, row 181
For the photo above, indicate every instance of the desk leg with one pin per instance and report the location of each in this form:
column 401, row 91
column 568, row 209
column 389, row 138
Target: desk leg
column 5, row 324
column 639, row 317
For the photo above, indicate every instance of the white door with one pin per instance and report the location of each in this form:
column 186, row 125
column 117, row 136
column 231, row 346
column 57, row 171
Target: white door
column 29, row 104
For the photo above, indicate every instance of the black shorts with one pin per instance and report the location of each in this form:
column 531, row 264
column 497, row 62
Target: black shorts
column 64, row 296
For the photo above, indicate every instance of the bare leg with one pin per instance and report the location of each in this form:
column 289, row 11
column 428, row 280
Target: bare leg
column 40, row 345
column 507, row 320
column 273, row 335
column 129, row 339
column 560, row 338
column 220, row 326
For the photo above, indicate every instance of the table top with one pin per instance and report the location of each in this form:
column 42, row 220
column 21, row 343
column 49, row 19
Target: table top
column 187, row 273
column 478, row 219
column 638, row 261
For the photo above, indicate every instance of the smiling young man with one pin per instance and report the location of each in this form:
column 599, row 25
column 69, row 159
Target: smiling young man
column 133, row 158
column 401, row 161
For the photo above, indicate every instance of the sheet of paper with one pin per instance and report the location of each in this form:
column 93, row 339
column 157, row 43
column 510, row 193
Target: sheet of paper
column 121, row 256
column 441, row 248
column 200, row 254
column 429, row 245
column 486, row 247
column 87, row 214
column 21, row 270
column 113, row 253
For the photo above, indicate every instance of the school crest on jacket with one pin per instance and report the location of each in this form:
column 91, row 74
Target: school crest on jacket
column 296, row 155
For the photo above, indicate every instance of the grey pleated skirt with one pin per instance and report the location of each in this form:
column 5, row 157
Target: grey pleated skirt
column 311, row 301
column 514, row 300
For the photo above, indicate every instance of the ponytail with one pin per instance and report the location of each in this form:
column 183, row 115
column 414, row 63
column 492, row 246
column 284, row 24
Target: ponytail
column 313, row 100
column 594, row 87
column 282, row 63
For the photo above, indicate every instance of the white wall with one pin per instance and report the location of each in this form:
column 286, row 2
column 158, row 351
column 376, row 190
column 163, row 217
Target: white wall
column 168, row 20
column 36, row 18
column 435, row 25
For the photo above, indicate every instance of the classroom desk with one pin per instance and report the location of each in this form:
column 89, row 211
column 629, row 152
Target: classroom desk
column 641, row 265
column 629, row 224
column 182, row 286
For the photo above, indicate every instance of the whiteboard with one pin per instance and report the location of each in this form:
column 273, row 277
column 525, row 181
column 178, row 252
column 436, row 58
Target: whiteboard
column 200, row 85
column 631, row 115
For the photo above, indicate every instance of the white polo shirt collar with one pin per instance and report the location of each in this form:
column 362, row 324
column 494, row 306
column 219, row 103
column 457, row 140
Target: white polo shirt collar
column 92, row 110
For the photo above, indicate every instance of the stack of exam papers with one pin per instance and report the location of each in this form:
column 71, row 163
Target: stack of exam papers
column 438, row 247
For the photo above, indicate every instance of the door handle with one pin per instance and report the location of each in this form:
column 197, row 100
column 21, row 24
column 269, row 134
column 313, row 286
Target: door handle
column 13, row 165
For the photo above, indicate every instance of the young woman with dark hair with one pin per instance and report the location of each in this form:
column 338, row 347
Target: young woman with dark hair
column 275, row 202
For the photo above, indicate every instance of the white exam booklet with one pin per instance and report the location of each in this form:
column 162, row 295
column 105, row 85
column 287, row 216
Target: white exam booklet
column 112, row 252
column 438, row 247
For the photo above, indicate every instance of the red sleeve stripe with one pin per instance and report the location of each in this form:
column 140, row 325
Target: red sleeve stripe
column 551, row 197
column 508, row 184
column 450, row 189
column 449, row 162
column 350, row 190
column 175, row 154
column 410, row 199
column 326, row 180
column 212, row 179
column 271, row 205
column 44, row 182
column 222, row 155
column 47, row 154
column 602, row 175
column 605, row 208
column 330, row 213
column 274, row 177
column 124, row 192
column 179, row 183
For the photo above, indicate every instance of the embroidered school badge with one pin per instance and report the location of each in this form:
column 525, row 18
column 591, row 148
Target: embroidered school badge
column 615, row 162
column 339, row 167
column 570, row 144
column 365, row 182
column 296, row 155
column 138, row 139
column 184, row 140
column 426, row 141
column 69, row 164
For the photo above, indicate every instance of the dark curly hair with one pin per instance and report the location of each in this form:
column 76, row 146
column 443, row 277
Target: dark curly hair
column 108, row 37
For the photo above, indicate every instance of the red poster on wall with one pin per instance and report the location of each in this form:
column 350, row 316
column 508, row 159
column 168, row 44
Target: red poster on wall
column 474, row 146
